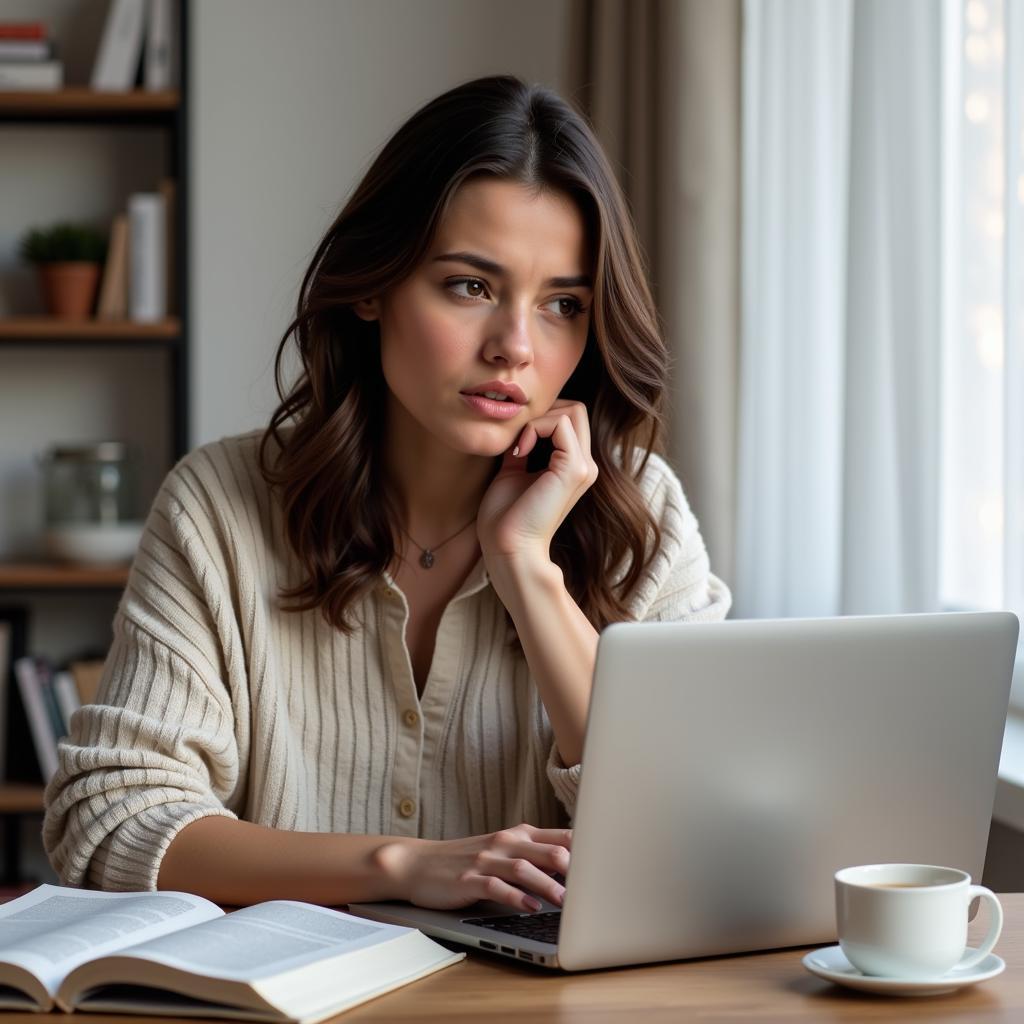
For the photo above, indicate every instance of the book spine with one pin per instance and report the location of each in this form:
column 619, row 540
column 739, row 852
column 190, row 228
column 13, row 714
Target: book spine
column 117, row 62
column 50, row 698
column 157, row 64
column 113, row 300
column 147, row 246
column 65, row 691
column 22, row 30
column 25, row 49
column 46, row 75
column 26, row 672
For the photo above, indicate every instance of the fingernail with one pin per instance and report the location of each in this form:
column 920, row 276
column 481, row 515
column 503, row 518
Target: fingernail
column 532, row 903
column 515, row 452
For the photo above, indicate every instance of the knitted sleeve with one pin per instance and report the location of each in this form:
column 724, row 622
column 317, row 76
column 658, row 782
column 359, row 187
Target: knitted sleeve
column 161, row 747
column 678, row 586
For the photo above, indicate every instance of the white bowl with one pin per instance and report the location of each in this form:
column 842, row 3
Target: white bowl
column 94, row 543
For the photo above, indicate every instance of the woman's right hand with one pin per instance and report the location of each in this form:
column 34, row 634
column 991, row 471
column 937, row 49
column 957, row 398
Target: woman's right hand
column 449, row 873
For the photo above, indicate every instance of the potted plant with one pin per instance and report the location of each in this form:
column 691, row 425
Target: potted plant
column 69, row 257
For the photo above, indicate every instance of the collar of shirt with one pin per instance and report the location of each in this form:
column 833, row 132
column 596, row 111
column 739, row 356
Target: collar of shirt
column 477, row 579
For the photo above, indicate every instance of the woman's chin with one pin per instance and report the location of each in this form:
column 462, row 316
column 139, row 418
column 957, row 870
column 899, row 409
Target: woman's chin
column 485, row 444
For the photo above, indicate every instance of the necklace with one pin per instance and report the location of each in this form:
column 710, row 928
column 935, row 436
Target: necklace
column 427, row 554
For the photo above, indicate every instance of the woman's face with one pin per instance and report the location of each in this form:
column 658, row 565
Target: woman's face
column 486, row 305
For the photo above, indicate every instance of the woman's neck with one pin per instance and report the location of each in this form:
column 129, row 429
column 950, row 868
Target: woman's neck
column 436, row 490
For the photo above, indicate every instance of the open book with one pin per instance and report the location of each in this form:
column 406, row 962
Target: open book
column 177, row 954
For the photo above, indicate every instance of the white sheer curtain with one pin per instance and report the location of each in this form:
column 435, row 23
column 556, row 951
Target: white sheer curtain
column 838, row 491
column 982, row 550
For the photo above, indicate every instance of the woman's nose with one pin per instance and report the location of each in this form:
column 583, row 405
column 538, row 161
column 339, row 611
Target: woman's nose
column 511, row 340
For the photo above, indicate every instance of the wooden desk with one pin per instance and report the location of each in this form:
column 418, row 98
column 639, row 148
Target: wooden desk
column 759, row 988
column 755, row 988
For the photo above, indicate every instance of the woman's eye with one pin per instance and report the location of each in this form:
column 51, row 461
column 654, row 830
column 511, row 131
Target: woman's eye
column 568, row 307
column 469, row 283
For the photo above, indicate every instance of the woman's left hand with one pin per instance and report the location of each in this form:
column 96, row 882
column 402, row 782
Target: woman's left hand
column 521, row 511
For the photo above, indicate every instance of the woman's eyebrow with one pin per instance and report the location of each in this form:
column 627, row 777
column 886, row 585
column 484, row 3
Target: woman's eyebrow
column 496, row 270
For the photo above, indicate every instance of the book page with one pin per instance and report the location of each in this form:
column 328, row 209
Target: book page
column 264, row 940
column 55, row 928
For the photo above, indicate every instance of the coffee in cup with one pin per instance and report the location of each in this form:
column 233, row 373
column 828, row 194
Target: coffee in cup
column 909, row 920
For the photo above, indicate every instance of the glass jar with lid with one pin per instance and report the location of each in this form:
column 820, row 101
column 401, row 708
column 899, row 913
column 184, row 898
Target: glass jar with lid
column 91, row 502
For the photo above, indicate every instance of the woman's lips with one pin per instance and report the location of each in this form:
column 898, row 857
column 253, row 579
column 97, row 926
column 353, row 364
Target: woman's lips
column 494, row 409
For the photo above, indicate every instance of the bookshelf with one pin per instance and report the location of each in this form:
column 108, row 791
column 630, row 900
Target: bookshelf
column 121, row 125
column 168, row 110
column 20, row 798
column 47, row 576
column 87, row 104
column 35, row 329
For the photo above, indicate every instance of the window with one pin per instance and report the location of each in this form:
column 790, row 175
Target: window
column 981, row 563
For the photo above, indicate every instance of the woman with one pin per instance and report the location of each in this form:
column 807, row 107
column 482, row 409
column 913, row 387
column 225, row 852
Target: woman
column 353, row 659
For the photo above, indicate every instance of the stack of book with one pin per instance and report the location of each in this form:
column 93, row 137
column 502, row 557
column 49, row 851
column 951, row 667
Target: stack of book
column 28, row 57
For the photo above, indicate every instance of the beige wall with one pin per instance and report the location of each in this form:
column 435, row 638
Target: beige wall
column 290, row 103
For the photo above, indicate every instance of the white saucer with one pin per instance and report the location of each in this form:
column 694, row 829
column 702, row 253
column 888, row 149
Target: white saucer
column 831, row 964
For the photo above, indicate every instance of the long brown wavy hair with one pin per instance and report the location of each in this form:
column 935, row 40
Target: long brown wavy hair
column 327, row 470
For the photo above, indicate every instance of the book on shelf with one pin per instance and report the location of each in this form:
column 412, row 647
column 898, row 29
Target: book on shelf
column 25, row 49
column 44, row 75
column 113, row 299
column 147, row 256
column 176, row 954
column 28, row 57
column 67, row 696
column 117, row 60
column 22, row 30
column 49, row 698
column 160, row 70
column 37, row 701
column 139, row 42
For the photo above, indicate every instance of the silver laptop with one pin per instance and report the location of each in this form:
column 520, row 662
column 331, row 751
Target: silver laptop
column 731, row 768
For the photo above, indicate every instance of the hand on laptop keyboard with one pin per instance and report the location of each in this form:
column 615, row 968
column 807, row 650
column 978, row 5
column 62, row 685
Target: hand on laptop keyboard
column 449, row 873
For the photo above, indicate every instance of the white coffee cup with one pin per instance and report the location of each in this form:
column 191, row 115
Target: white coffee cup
column 909, row 920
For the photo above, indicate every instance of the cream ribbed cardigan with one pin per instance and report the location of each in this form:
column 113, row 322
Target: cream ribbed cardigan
column 214, row 701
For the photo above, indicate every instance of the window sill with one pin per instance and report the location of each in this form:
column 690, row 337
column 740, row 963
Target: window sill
column 1009, row 805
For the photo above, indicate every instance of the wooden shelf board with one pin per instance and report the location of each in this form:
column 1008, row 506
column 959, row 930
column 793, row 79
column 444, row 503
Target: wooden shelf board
column 80, row 101
column 20, row 798
column 43, row 575
column 47, row 328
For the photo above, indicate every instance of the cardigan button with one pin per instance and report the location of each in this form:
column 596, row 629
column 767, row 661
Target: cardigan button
column 407, row 808
column 410, row 718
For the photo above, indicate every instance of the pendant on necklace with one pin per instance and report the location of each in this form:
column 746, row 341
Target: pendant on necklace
column 427, row 559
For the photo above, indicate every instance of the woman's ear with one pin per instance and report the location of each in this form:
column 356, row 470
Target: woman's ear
column 367, row 309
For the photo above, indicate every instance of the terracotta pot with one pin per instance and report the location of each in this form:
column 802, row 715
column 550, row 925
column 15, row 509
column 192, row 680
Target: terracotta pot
column 69, row 289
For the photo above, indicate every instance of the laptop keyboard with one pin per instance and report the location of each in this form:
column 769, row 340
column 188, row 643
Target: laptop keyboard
column 542, row 927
